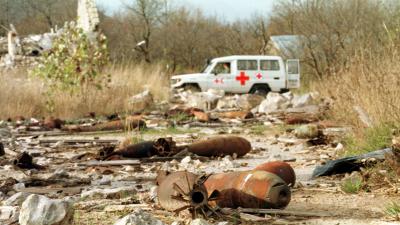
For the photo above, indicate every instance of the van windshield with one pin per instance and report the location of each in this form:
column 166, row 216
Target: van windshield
column 207, row 68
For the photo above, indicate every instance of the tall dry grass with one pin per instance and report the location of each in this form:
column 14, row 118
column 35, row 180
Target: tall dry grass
column 24, row 96
column 372, row 85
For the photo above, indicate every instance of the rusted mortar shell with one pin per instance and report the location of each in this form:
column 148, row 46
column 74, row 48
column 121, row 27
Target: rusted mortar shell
column 140, row 150
column 178, row 190
column 25, row 161
column 249, row 189
column 236, row 114
column 221, row 146
column 281, row 169
column 129, row 124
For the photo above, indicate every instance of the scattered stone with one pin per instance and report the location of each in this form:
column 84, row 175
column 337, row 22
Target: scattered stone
column 302, row 100
column 113, row 193
column 249, row 101
column 5, row 133
column 141, row 101
column 205, row 100
column 8, row 213
column 223, row 223
column 2, row 152
column 273, row 102
column 139, row 217
column 307, row 131
column 40, row 210
column 153, row 193
column 16, row 200
column 199, row 222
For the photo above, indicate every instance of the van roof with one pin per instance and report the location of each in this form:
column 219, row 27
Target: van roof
column 244, row 57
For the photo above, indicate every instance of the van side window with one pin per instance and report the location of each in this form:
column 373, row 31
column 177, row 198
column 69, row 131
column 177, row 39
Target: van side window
column 247, row 65
column 270, row 65
column 222, row 68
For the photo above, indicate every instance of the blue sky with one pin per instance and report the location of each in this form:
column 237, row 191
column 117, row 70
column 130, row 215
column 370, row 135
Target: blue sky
column 225, row 9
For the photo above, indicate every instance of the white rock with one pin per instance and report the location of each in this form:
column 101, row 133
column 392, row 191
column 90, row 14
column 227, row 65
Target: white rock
column 16, row 200
column 339, row 147
column 273, row 102
column 139, row 217
column 249, row 101
column 40, row 210
column 227, row 102
column 186, row 160
column 199, row 222
column 223, row 223
column 142, row 100
column 8, row 213
column 153, row 193
column 307, row 131
column 111, row 193
column 205, row 100
column 299, row 101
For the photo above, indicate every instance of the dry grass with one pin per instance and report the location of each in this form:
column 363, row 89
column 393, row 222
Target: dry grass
column 372, row 85
column 23, row 96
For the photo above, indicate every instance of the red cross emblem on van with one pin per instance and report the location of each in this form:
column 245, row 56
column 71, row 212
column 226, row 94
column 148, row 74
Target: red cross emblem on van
column 242, row 78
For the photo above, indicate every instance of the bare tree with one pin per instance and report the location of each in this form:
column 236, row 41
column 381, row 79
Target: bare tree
column 149, row 14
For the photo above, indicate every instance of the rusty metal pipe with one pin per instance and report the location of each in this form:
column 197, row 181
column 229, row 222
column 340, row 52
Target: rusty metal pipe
column 221, row 146
column 249, row 189
column 281, row 169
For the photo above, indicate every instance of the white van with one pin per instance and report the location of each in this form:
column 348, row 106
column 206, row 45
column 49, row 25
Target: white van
column 243, row 74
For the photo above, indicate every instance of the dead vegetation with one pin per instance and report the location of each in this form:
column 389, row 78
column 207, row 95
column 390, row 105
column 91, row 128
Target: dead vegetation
column 23, row 96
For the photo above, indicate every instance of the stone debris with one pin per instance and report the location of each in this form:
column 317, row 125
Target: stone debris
column 199, row 222
column 113, row 193
column 16, row 199
column 307, row 131
column 8, row 214
column 139, row 217
column 40, row 210
column 141, row 101
column 35, row 45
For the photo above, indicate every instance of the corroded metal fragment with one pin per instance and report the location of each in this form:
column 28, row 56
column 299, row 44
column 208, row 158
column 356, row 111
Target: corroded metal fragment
column 282, row 169
column 183, row 190
column 249, row 189
column 221, row 146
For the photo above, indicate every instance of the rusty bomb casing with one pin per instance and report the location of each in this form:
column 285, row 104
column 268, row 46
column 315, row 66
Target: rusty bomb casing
column 281, row 169
column 182, row 190
column 221, row 146
column 249, row 189
column 160, row 147
column 236, row 114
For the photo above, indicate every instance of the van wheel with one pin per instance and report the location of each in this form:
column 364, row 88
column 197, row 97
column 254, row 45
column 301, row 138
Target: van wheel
column 260, row 90
column 192, row 88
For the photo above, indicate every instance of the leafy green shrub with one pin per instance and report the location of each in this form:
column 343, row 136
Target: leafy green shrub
column 74, row 63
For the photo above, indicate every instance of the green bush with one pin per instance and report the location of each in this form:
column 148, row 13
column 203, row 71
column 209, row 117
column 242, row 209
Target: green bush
column 74, row 63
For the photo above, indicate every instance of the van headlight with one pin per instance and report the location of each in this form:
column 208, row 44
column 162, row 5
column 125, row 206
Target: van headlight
column 175, row 81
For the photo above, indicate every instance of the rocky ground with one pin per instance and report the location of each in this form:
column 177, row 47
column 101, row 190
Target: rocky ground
column 70, row 189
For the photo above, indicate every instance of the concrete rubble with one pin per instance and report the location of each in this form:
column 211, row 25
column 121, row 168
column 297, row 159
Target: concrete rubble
column 18, row 51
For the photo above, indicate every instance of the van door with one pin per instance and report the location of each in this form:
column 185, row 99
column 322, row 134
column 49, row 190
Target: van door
column 245, row 75
column 293, row 73
column 221, row 76
column 272, row 73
